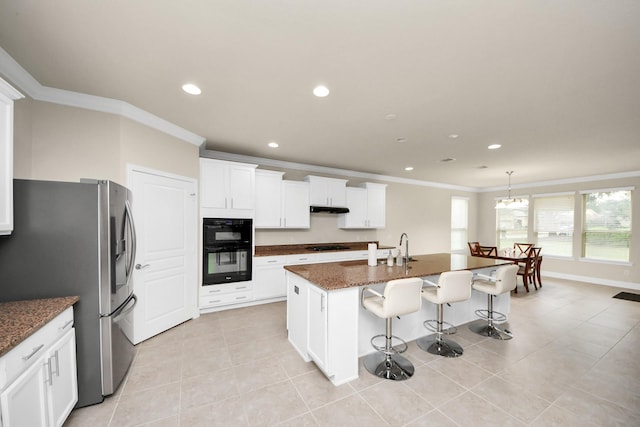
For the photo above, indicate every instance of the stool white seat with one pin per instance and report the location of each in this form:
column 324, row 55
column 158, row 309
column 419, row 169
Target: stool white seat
column 503, row 282
column 452, row 286
column 400, row 297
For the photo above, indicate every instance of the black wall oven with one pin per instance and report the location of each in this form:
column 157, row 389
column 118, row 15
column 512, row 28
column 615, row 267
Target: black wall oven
column 227, row 250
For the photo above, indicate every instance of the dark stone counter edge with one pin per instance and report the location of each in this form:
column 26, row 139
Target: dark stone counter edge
column 21, row 319
column 275, row 250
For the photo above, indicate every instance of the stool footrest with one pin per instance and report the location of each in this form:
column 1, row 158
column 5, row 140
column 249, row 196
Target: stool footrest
column 400, row 347
column 498, row 317
column 432, row 325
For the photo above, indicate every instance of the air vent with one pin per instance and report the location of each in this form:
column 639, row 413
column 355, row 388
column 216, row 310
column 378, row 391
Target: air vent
column 447, row 160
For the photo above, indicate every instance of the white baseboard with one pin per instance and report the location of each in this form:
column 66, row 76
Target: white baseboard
column 595, row 280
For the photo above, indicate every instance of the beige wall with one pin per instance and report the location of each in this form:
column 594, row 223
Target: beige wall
column 598, row 272
column 56, row 142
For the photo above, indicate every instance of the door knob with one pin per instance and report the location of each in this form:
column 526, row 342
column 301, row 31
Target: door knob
column 141, row 267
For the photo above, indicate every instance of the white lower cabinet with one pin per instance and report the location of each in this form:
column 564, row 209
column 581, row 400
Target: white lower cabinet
column 322, row 326
column 41, row 376
column 226, row 294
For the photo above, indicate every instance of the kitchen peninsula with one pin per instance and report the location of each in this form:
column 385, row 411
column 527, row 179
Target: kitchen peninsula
column 327, row 324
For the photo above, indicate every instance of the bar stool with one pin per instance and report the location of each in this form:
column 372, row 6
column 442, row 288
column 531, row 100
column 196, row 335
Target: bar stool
column 453, row 286
column 503, row 282
column 401, row 296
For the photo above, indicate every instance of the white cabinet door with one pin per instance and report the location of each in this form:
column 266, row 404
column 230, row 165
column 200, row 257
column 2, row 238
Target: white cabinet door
column 367, row 205
column 226, row 189
column 63, row 380
column 241, row 187
column 317, row 338
column 7, row 95
column 24, row 402
column 376, row 204
column 268, row 279
column 327, row 191
column 268, row 199
column 213, row 183
column 295, row 204
column 357, row 204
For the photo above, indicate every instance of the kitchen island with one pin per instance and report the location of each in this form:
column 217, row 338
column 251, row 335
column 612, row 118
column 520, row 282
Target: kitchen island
column 327, row 324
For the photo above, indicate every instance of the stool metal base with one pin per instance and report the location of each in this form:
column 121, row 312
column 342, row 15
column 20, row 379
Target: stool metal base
column 491, row 331
column 440, row 347
column 390, row 367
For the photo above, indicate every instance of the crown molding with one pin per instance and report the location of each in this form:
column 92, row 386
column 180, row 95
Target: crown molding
column 263, row 161
column 25, row 81
column 575, row 180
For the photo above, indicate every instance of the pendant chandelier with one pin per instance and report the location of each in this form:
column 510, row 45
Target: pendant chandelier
column 511, row 202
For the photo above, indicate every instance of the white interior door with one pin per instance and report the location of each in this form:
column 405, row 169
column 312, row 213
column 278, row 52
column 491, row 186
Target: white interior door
column 165, row 273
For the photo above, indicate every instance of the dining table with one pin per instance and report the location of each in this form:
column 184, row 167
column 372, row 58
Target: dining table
column 516, row 259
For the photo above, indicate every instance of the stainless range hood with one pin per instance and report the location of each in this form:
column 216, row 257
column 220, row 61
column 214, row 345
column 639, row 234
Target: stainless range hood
column 328, row 209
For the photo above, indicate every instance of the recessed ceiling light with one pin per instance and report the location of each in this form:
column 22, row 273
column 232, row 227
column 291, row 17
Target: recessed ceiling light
column 192, row 89
column 409, row 168
column 390, row 116
column 494, row 146
column 401, row 139
column 454, row 136
column 321, row 91
column 273, row 144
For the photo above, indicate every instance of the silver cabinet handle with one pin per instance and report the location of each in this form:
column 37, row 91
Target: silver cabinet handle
column 142, row 267
column 63, row 327
column 35, row 350
column 50, row 380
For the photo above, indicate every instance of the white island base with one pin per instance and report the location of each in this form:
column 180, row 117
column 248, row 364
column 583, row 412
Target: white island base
column 332, row 329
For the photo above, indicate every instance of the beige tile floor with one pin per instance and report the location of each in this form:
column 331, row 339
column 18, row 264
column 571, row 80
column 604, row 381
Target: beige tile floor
column 574, row 361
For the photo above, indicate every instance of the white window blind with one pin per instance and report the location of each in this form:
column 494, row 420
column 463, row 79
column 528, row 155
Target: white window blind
column 553, row 228
column 512, row 224
column 606, row 233
column 459, row 223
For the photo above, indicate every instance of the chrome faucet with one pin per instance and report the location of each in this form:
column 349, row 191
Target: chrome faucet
column 406, row 247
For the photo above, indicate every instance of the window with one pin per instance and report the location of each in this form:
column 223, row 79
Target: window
column 459, row 223
column 553, row 227
column 606, row 233
column 512, row 223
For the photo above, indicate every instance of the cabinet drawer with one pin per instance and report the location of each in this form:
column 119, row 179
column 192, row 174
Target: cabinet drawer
column 225, row 288
column 226, row 299
column 262, row 261
column 28, row 351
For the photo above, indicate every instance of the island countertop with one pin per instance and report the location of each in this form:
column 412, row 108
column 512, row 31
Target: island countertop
column 20, row 319
column 346, row 274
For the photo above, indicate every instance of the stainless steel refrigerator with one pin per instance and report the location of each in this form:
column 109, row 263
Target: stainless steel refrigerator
column 77, row 239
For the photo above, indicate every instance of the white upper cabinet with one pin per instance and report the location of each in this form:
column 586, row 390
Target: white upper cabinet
column 367, row 207
column 7, row 95
column 227, row 189
column 268, row 199
column 281, row 203
column 295, row 204
column 327, row 191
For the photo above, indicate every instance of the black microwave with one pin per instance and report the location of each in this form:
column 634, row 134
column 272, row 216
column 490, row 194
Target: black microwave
column 224, row 231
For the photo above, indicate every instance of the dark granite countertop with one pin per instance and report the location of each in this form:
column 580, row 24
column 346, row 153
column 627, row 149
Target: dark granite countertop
column 20, row 319
column 346, row 274
column 274, row 250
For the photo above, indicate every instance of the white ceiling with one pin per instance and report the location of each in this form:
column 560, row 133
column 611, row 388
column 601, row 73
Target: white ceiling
column 555, row 82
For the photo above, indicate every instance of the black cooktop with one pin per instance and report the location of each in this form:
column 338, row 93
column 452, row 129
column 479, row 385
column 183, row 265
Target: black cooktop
column 328, row 248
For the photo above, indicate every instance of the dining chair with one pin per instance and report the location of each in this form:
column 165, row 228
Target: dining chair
column 488, row 250
column 474, row 248
column 527, row 269
column 522, row 248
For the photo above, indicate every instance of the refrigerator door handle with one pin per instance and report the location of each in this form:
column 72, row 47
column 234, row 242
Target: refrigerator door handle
column 134, row 240
column 126, row 310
